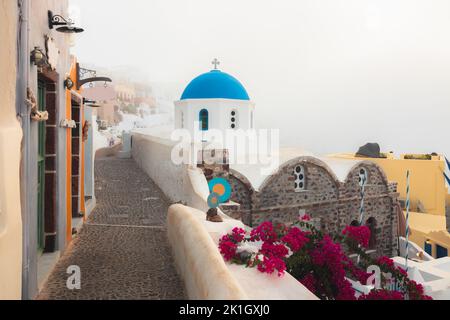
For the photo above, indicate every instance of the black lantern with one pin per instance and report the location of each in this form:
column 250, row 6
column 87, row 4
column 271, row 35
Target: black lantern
column 65, row 25
column 68, row 83
column 38, row 57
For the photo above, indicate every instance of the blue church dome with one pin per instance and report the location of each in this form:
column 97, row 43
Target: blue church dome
column 215, row 85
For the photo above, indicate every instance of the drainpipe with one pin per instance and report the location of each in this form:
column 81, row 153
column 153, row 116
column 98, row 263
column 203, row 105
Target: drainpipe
column 23, row 71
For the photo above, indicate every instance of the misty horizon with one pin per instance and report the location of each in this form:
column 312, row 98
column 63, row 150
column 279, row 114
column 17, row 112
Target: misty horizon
column 331, row 75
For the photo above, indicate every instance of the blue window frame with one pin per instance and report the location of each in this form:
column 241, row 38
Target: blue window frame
column 428, row 248
column 441, row 252
column 204, row 120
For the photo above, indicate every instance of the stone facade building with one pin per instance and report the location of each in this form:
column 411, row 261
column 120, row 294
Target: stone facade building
column 308, row 185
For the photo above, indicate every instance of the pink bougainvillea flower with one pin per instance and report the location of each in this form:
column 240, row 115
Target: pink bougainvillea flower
column 388, row 262
column 361, row 275
column 238, row 235
column 305, row 217
column 264, row 232
column 402, row 271
column 327, row 252
column 274, row 250
column 295, row 239
column 416, row 291
column 281, row 229
column 329, row 255
column 325, row 265
column 309, row 282
column 382, row 294
column 361, row 234
column 345, row 290
column 227, row 248
column 270, row 264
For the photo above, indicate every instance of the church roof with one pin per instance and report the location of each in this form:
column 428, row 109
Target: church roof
column 340, row 167
column 215, row 85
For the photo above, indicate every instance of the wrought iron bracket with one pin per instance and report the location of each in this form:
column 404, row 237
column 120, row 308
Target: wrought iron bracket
column 57, row 20
column 81, row 82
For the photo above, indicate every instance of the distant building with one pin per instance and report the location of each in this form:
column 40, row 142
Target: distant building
column 125, row 92
column 130, row 98
column 429, row 194
column 214, row 100
column 108, row 112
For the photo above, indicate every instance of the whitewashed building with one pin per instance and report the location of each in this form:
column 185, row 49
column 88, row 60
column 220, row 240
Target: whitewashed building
column 214, row 100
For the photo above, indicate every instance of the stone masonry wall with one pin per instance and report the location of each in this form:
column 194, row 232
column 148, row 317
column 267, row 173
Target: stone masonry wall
column 333, row 204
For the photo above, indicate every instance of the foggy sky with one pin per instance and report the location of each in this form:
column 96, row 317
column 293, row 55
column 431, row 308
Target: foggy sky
column 331, row 74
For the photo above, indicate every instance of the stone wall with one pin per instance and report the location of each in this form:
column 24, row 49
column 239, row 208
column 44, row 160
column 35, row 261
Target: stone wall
column 333, row 204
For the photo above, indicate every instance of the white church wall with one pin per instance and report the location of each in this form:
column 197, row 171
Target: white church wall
column 243, row 110
column 219, row 114
column 180, row 183
column 153, row 155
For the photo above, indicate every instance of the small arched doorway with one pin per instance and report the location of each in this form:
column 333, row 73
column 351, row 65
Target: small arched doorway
column 354, row 223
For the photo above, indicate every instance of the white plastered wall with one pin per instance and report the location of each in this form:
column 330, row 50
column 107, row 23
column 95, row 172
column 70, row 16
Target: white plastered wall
column 219, row 112
column 194, row 244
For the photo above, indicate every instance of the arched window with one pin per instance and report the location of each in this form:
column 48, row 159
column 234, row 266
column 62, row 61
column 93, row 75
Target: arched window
column 204, row 120
column 354, row 223
column 300, row 179
column 234, row 119
column 371, row 223
column 363, row 177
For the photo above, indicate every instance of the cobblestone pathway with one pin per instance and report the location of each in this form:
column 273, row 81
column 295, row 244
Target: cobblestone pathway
column 122, row 250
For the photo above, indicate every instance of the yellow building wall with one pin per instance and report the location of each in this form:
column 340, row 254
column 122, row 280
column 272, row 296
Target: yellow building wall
column 10, row 142
column 424, row 228
column 427, row 182
column 427, row 185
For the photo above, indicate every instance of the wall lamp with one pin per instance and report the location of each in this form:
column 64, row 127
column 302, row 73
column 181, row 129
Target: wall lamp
column 38, row 57
column 65, row 25
column 91, row 103
column 68, row 83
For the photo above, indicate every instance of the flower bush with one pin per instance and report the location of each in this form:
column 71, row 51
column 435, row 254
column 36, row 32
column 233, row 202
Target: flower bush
column 317, row 260
column 360, row 235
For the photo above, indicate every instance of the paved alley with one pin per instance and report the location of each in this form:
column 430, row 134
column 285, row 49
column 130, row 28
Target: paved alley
column 122, row 250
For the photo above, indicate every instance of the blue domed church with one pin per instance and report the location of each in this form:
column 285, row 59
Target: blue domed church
column 214, row 100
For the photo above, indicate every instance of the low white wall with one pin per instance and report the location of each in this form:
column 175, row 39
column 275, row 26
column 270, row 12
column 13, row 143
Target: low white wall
column 194, row 244
column 180, row 183
column 153, row 155
column 434, row 275
column 198, row 261
column 413, row 250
